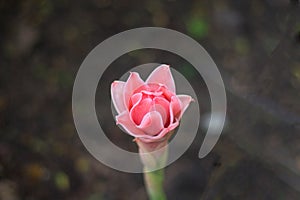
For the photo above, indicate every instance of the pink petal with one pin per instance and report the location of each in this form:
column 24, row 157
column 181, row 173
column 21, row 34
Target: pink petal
column 185, row 102
column 160, row 136
column 162, row 106
column 170, row 128
column 124, row 120
column 116, row 91
column 134, row 81
column 167, row 93
column 152, row 123
column 175, row 108
column 148, row 88
column 139, row 110
column 152, row 93
column 162, row 75
column 135, row 99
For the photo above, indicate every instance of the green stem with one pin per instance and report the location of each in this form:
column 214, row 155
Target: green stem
column 154, row 184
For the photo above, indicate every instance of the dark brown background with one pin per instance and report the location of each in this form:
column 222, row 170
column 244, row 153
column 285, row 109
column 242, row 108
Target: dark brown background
column 255, row 45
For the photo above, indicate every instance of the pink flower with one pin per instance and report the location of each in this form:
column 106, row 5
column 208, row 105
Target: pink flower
column 149, row 110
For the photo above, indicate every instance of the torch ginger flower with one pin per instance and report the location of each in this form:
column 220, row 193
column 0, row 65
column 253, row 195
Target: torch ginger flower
column 149, row 110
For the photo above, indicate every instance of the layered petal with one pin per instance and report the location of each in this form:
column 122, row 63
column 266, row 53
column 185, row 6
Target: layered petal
column 116, row 90
column 140, row 109
column 167, row 130
column 162, row 106
column 162, row 75
column 135, row 99
column 185, row 101
column 152, row 123
column 160, row 136
column 124, row 120
column 175, row 108
column 134, row 81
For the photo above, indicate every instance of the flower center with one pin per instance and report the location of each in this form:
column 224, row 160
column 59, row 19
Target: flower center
column 150, row 97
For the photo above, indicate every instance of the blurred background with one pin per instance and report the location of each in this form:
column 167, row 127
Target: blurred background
column 255, row 44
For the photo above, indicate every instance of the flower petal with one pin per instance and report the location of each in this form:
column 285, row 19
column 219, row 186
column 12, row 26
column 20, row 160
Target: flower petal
column 162, row 106
column 171, row 127
column 116, row 91
column 134, row 81
column 135, row 99
column 152, row 123
column 162, row 75
column 185, row 102
column 175, row 108
column 124, row 120
column 139, row 110
column 160, row 136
